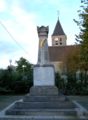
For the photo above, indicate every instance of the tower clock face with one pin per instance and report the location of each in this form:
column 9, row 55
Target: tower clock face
column 56, row 39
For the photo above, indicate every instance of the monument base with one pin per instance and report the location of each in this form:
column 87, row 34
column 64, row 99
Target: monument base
column 44, row 75
column 44, row 90
column 43, row 103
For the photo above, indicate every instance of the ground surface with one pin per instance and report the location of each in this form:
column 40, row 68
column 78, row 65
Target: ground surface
column 7, row 100
column 83, row 100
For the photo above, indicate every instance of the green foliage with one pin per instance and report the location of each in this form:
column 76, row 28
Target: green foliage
column 83, row 35
column 74, row 58
column 60, row 83
column 75, row 86
column 72, row 86
column 23, row 66
column 16, row 80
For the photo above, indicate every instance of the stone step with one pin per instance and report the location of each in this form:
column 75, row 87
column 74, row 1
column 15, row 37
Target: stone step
column 44, row 105
column 41, row 118
column 29, row 98
column 37, row 112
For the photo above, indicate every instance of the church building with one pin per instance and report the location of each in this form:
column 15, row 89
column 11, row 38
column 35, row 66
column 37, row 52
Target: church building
column 59, row 50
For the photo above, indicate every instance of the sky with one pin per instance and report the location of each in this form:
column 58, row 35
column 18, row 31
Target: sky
column 19, row 20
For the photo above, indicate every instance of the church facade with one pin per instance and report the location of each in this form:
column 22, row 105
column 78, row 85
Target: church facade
column 59, row 50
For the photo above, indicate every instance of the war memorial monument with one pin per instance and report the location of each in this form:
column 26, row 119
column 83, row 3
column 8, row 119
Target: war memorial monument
column 44, row 102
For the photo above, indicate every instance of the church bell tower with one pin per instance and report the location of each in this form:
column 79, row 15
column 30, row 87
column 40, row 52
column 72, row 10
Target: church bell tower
column 58, row 37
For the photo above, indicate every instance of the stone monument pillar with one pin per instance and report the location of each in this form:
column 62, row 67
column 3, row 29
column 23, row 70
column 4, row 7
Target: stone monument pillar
column 43, row 72
column 43, row 54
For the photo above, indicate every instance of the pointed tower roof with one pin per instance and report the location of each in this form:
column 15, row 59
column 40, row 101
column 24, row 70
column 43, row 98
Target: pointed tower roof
column 58, row 29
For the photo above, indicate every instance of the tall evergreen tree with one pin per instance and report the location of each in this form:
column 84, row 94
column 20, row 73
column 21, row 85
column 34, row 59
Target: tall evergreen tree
column 83, row 35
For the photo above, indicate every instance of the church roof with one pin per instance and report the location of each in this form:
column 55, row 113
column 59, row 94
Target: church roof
column 59, row 53
column 58, row 29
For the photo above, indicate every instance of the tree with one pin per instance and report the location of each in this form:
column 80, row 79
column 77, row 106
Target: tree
column 25, row 71
column 73, row 60
column 23, row 65
column 82, row 38
column 16, row 80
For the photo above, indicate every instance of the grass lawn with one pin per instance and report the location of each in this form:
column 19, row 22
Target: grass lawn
column 6, row 100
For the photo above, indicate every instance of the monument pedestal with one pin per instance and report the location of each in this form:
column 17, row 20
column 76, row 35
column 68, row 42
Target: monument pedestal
column 44, row 80
column 44, row 75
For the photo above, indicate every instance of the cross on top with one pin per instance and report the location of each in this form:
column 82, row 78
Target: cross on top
column 58, row 13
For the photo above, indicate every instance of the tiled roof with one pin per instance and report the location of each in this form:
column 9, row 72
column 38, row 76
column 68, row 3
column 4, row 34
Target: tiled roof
column 58, row 53
column 58, row 29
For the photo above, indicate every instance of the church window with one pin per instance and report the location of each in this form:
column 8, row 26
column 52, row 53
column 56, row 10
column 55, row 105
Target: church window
column 60, row 39
column 56, row 42
column 60, row 43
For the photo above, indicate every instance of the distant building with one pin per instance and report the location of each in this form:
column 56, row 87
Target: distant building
column 59, row 50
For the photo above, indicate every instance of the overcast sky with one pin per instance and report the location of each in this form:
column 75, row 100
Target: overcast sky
column 21, row 17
